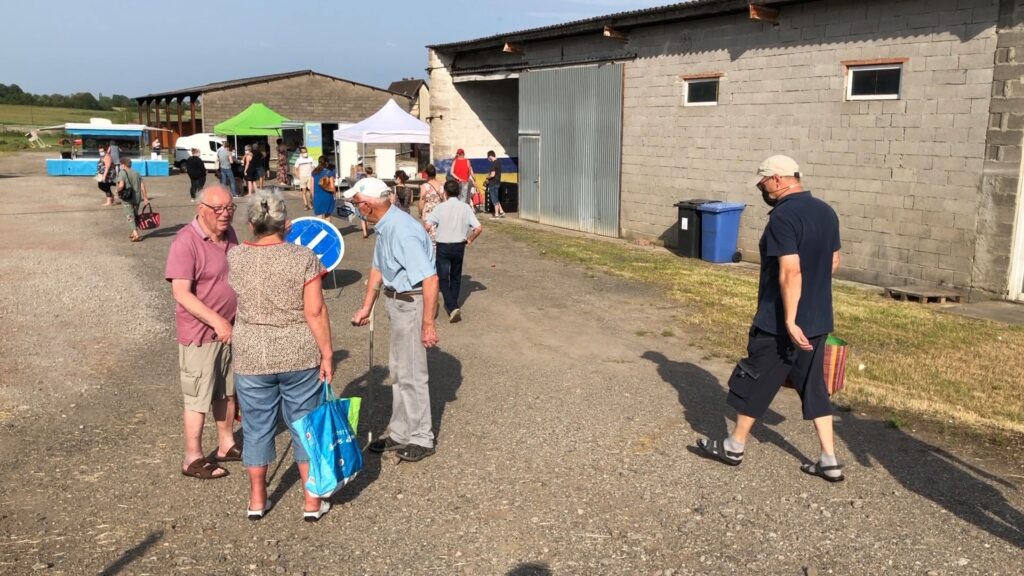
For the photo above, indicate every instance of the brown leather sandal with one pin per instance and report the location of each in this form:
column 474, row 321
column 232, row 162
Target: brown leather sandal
column 204, row 469
column 234, row 454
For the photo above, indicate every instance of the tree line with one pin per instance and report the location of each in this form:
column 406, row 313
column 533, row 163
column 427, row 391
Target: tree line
column 13, row 94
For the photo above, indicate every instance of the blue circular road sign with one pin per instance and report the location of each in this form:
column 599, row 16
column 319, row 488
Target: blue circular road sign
column 321, row 237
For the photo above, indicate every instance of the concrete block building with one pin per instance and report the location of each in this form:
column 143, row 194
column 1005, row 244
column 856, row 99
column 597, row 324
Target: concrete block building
column 907, row 116
column 303, row 95
column 419, row 94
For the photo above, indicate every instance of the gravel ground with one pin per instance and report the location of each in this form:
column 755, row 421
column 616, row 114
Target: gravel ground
column 565, row 412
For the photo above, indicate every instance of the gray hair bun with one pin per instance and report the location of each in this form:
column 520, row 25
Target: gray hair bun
column 267, row 212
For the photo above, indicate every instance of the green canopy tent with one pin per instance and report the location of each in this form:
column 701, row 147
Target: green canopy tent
column 256, row 120
column 253, row 121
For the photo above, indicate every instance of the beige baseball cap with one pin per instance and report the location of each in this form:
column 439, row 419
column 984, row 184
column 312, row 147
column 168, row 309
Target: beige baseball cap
column 369, row 187
column 778, row 165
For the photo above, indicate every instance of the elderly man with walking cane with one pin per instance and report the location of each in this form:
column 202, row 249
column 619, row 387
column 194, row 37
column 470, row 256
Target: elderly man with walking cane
column 404, row 270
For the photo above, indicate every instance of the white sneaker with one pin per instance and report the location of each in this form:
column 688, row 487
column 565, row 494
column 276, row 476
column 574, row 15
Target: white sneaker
column 316, row 515
column 455, row 316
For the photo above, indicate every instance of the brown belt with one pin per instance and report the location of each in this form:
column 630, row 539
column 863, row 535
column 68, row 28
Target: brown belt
column 403, row 296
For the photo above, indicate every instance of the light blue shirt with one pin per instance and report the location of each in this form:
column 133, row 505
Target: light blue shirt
column 404, row 253
column 224, row 158
column 453, row 220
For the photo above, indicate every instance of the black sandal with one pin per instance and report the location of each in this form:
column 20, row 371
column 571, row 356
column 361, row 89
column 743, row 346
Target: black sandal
column 716, row 449
column 816, row 469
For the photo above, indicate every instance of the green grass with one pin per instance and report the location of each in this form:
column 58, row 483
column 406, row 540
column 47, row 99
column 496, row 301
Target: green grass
column 895, row 421
column 917, row 362
column 16, row 141
column 42, row 116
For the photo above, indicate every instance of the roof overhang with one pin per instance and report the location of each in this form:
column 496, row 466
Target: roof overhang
column 620, row 22
column 484, row 76
column 195, row 92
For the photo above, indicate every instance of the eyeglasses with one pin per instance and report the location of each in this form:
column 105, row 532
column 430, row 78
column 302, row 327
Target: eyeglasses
column 218, row 210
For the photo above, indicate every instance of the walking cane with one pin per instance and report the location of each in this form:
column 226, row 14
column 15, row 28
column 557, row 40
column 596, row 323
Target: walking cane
column 372, row 310
column 372, row 402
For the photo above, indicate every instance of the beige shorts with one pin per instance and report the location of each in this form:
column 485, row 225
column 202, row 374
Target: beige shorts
column 205, row 374
column 306, row 182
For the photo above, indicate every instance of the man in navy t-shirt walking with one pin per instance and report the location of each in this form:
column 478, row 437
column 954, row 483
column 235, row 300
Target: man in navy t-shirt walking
column 799, row 253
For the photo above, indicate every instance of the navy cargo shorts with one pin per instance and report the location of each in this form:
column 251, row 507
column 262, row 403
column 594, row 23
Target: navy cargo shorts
column 771, row 361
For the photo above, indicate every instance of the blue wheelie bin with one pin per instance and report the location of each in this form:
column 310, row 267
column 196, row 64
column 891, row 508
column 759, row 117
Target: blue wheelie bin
column 720, row 230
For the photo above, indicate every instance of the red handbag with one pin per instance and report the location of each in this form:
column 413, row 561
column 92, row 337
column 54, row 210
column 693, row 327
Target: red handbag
column 147, row 219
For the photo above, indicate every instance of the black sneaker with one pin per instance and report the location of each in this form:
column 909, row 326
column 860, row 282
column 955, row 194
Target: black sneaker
column 415, row 453
column 385, row 444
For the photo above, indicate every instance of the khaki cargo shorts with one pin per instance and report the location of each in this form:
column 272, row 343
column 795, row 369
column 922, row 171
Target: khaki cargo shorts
column 205, row 374
column 305, row 182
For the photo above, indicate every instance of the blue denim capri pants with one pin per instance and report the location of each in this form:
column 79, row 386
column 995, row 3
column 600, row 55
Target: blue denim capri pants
column 262, row 398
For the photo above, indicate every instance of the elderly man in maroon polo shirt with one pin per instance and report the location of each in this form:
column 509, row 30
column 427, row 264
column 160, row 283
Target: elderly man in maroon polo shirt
column 197, row 268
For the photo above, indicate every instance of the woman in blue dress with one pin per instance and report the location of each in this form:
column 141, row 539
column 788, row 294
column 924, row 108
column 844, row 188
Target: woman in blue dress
column 323, row 200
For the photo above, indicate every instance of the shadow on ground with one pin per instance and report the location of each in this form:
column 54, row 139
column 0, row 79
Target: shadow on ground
column 530, row 569
column 164, row 232
column 340, row 279
column 469, row 286
column 959, row 487
column 445, row 380
column 928, row 471
column 132, row 554
column 704, row 407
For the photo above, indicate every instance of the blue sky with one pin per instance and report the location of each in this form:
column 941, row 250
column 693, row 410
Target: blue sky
column 137, row 47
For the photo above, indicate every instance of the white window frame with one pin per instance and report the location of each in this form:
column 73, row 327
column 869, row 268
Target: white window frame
column 686, row 91
column 850, row 70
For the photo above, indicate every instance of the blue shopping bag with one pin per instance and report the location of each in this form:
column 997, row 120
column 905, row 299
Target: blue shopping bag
column 328, row 435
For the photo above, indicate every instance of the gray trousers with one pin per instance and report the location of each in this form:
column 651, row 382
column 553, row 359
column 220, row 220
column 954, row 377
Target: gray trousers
column 407, row 361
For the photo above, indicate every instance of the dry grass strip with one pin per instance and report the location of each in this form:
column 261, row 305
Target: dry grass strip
column 947, row 370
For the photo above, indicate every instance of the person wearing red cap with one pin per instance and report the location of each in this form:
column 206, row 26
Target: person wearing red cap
column 462, row 172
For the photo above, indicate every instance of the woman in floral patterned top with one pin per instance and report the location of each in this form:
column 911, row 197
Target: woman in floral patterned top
column 282, row 163
column 281, row 344
column 430, row 196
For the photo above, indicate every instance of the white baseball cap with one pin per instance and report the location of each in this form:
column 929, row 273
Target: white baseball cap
column 777, row 165
column 369, row 187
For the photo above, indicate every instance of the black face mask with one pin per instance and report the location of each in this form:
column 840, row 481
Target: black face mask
column 764, row 196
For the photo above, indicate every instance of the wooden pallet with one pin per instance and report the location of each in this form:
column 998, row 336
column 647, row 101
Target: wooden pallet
column 923, row 294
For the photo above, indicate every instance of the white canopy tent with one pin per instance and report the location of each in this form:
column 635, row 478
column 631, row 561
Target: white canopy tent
column 389, row 125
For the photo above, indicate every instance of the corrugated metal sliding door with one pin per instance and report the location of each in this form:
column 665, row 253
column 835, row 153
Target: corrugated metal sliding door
column 577, row 114
column 529, row 176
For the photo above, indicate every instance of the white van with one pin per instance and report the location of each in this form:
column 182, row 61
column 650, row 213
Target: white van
column 208, row 144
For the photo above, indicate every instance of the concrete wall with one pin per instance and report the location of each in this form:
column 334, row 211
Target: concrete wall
column 421, row 105
column 475, row 116
column 1000, row 184
column 903, row 175
column 922, row 195
column 302, row 98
